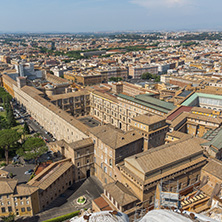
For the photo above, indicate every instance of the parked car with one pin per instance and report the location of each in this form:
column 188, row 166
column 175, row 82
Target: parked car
column 29, row 172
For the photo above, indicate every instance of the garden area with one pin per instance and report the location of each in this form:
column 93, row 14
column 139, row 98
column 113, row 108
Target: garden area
column 14, row 137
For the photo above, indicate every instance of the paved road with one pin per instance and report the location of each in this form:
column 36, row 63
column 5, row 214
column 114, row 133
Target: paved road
column 23, row 117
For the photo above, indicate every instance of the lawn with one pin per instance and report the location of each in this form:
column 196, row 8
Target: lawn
column 19, row 127
column 3, row 114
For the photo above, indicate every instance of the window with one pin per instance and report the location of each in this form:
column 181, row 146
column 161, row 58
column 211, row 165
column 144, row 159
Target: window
column 105, row 180
column 3, row 210
column 78, row 164
column 21, row 202
column 27, row 202
column 9, row 203
column 78, row 154
column 23, row 209
column 105, row 169
column 28, row 209
column 9, row 209
column 110, row 162
column 87, row 161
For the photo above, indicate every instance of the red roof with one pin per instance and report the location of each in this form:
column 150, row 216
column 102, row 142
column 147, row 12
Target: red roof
column 102, row 204
column 42, row 166
column 178, row 111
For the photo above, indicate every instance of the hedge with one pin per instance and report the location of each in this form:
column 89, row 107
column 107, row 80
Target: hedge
column 63, row 217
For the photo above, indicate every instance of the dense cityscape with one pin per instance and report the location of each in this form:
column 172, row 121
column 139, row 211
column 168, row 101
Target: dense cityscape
column 115, row 126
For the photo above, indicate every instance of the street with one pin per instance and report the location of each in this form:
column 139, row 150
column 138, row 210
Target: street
column 22, row 116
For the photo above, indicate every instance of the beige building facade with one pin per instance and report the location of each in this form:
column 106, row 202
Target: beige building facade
column 111, row 146
column 82, row 155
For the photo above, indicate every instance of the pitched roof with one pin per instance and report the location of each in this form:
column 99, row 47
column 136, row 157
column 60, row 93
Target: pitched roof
column 69, row 95
column 25, row 189
column 50, row 174
column 205, row 118
column 165, row 155
column 150, row 102
column 179, row 135
column 214, row 138
column 148, row 119
column 34, row 93
column 7, row 186
column 214, row 167
column 115, row 138
column 176, row 112
column 120, row 193
column 81, row 143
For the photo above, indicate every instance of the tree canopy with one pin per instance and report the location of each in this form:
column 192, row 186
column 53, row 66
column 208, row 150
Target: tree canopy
column 4, row 96
column 26, row 129
column 8, row 137
column 115, row 79
column 149, row 76
column 10, row 116
column 32, row 148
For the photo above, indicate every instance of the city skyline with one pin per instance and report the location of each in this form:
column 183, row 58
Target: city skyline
column 102, row 15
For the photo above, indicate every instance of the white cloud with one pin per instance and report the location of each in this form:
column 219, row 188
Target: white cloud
column 160, row 3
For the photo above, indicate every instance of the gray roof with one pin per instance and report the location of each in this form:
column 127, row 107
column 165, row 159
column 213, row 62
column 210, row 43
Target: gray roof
column 150, row 102
column 214, row 137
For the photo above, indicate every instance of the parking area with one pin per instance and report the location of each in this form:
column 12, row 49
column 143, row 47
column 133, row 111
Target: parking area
column 19, row 172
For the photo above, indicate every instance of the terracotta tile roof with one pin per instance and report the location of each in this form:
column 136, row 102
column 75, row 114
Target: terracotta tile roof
column 25, row 189
column 178, row 111
column 102, row 204
column 34, row 93
column 214, row 167
column 120, row 193
column 50, row 174
column 179, row 135
column 205, row 118
column 68, row 95
column 148, row 119
column 115, row 138
column 81, row 143
column 165, row 155
column 7, row 186
column 181, row 118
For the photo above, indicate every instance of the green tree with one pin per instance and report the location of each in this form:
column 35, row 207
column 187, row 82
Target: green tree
column 115, row 79
column 8, row 137
column 10, row 218
column 32, row 148
column 3, row 123
column 10, row 117
column 146, row 75
column 26, row 129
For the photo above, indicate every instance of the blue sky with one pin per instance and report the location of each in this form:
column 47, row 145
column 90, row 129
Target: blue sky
column 109, row 15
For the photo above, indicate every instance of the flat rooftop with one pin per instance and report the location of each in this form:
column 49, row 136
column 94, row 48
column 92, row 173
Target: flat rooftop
column 89, row 121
